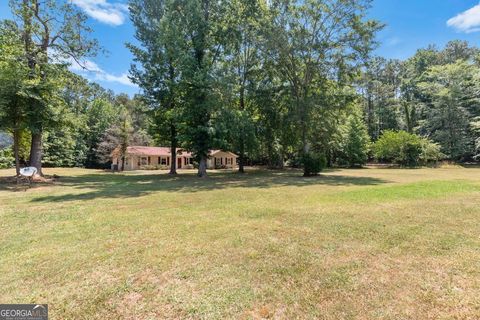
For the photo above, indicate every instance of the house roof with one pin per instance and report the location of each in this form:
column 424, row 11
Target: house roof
column 215, row 151
column 163, row 151
column 155, row 151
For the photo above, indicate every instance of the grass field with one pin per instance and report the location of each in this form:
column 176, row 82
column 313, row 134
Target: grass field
column 349, row 244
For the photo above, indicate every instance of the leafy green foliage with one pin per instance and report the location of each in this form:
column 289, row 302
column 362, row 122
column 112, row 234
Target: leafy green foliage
column 313, row 163
column 452, row 90
column 6, row 158
column 59, row 148
column 16, row 88
column 50, row 32
column 431, row 152
column 99, row 117
column 379, row 83
column 405, row 149
column 183, row 42
column 123, row 133
column 434, row 93
column 305, row 55
column 157, row 68
column 268, row 80
column 356, row 141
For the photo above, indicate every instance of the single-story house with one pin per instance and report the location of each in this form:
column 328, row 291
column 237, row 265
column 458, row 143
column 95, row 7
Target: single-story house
column 139, row 157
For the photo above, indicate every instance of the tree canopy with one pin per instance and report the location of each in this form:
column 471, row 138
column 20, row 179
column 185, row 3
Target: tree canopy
column 277, row 82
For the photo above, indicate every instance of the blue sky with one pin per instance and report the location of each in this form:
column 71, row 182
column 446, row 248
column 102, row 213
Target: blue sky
column 410, row 24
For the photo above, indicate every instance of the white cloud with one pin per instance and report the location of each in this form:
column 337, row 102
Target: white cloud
column 468, row 21
column 122, row 79
column 103, row 11
column 393, row 41
column 92, row 71
column 87, row 66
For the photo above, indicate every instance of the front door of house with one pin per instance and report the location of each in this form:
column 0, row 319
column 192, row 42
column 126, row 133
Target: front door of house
column 179, row 163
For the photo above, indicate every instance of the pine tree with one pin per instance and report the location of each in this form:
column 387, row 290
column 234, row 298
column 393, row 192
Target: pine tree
column 356, row 142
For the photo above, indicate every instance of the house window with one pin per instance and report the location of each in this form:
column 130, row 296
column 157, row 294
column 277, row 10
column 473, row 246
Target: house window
column 229, row 160
column 126, row 161
column 143, row 161
column 163, row 161
column 188, row 160
column 218, row 161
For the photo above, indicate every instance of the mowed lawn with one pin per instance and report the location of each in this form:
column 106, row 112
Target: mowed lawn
column 348, row 244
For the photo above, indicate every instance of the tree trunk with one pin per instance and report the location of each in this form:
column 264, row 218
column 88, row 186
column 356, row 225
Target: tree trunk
column 303, row 128
column 16, row 141
column 269, row 145
column 371, row 129
column 202, row 167
column 270, row 156
column 241, row 158
column 408, row 119
column 36, row 144
column 36, row 150
column 280, row 158
column 123, row 164
column 173, row 149
column 305, row 152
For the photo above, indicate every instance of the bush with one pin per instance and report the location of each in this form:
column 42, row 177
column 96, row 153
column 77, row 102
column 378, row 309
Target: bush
column 430, row 152
column 405, row 149
column 313, row 164
column 154, row 167
column 6, row 158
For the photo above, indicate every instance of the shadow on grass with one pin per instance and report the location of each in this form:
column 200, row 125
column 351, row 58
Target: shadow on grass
column 10, row 184
column 474, row 165
column 122, row 186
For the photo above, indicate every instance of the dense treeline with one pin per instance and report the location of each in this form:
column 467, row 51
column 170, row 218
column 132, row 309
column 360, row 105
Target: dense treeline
column 54, row 117
column 277, row 82
column 92, row 120
column 79, row 115
column 251, row 76
column 435, row 93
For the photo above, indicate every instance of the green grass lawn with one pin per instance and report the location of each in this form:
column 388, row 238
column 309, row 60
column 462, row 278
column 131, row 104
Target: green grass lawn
column 348, row 244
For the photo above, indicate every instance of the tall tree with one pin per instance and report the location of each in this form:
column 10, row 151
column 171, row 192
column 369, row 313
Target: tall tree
column 380, row 84
column 243, row 65
column 13, row 87
column 51, row 31
column 314, row 41
column 201, row 34
column 453, row 90
column 156, row 70
column 275, row 130
column 355, row 142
